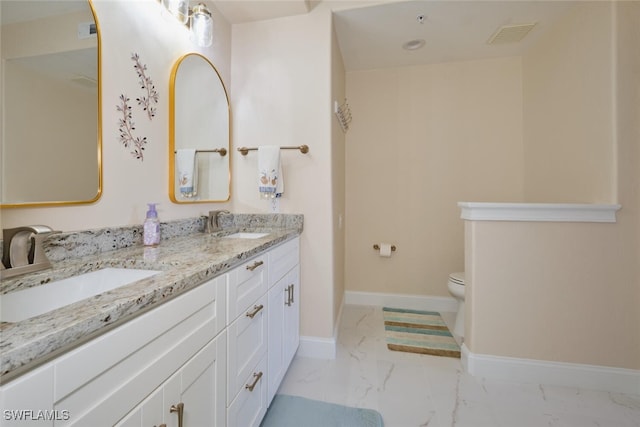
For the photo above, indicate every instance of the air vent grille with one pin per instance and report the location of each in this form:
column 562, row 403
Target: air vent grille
column 510, row 33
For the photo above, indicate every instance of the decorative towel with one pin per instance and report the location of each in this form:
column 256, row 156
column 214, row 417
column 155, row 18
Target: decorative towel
column 187, row 170
column 270, row 181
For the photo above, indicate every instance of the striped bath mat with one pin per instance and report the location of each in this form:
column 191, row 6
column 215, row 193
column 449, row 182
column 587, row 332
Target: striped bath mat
column 416, row 331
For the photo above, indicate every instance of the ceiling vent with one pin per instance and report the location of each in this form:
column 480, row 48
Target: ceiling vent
column 510, row 33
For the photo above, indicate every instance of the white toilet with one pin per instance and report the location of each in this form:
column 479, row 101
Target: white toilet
column 456, row 288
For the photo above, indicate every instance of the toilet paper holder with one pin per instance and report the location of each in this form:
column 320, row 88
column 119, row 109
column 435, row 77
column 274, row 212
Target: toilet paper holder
column 377, row 247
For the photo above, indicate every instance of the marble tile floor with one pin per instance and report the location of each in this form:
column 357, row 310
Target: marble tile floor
column 412, row 390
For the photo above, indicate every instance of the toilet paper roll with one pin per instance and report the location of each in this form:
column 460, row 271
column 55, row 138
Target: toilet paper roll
column 385, row 249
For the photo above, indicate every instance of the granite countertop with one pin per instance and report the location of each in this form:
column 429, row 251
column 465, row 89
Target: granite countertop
column 185, row 262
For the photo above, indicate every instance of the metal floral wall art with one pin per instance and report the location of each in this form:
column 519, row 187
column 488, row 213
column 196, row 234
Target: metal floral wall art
column 126, row 128
column 126, row 125
column 146, row 83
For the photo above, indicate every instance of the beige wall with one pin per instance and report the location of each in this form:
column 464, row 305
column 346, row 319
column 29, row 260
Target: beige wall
column 422, row 139
column 54, row 156
column 568, row 292
column 128, row 184
column 568, row 110
column 628, row 156
column 282, row 96
column 553, row 291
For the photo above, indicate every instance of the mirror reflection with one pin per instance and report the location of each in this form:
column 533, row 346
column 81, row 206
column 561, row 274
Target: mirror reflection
column 198, row 133
column 50, row 121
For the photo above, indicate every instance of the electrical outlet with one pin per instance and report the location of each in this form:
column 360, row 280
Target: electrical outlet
column 275, row 205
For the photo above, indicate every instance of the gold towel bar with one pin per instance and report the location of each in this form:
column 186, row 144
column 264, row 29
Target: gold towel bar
column 304, row 149
column 221, row 151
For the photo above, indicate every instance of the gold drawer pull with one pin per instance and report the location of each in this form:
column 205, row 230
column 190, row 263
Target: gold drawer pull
column 256, row 378
column 254, row 265
column 289, row 300
column 179, row 408
column 256, row 310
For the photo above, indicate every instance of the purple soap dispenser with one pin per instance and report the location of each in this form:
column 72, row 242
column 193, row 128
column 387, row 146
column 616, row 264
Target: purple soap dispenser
column 151, row 227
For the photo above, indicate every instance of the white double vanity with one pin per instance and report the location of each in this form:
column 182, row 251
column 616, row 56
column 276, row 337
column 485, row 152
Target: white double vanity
column 212, row 355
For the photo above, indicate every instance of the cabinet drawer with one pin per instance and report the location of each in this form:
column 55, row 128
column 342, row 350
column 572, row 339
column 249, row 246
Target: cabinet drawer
column 282, row 259
column 247, row 344
column 250, row 406
column 246, row 284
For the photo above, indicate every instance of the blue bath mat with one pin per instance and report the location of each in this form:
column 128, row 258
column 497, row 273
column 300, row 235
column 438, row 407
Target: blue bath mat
column 295, row 411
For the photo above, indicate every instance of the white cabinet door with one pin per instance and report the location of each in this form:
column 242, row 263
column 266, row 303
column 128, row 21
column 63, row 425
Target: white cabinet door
column 275, row 359
column 284, row 329
column 199, row 386
column 291, row 332
column 21, row 398
column 149, row 413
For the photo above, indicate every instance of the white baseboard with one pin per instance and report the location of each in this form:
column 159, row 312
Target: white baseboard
column 321, row 348
column 316, row 347
column 593, row 377
column 411, row 302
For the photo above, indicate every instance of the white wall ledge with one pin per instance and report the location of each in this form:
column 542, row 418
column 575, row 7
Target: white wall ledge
column 535, row 212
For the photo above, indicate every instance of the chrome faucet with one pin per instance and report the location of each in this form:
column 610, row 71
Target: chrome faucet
column 213, row 222
column 23, row 251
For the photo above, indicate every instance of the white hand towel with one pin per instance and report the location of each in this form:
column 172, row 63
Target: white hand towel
column 270, row 180
column 187, row 170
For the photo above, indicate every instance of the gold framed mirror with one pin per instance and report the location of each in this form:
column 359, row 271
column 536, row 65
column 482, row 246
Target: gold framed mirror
column 199, row 133
column 51, row 118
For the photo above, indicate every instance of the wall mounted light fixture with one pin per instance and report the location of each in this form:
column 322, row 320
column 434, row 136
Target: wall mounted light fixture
column 201, row 25
column 198, row 20
column 178, row 8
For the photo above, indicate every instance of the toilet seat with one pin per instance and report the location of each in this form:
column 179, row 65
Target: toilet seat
column 457, row 278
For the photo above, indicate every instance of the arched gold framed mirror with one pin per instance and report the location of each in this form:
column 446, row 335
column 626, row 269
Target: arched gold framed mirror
column 199, row 133
column 51, row 119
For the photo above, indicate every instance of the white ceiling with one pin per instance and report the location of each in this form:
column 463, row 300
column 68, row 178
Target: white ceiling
column 238, row 11
column 371, row 37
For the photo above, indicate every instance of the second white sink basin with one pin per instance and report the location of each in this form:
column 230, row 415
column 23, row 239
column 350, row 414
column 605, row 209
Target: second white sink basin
column 246, row 235
column 31, row 302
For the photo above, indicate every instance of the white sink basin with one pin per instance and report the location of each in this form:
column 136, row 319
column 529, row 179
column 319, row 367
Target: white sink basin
column 21, row 305
column 244, row 235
